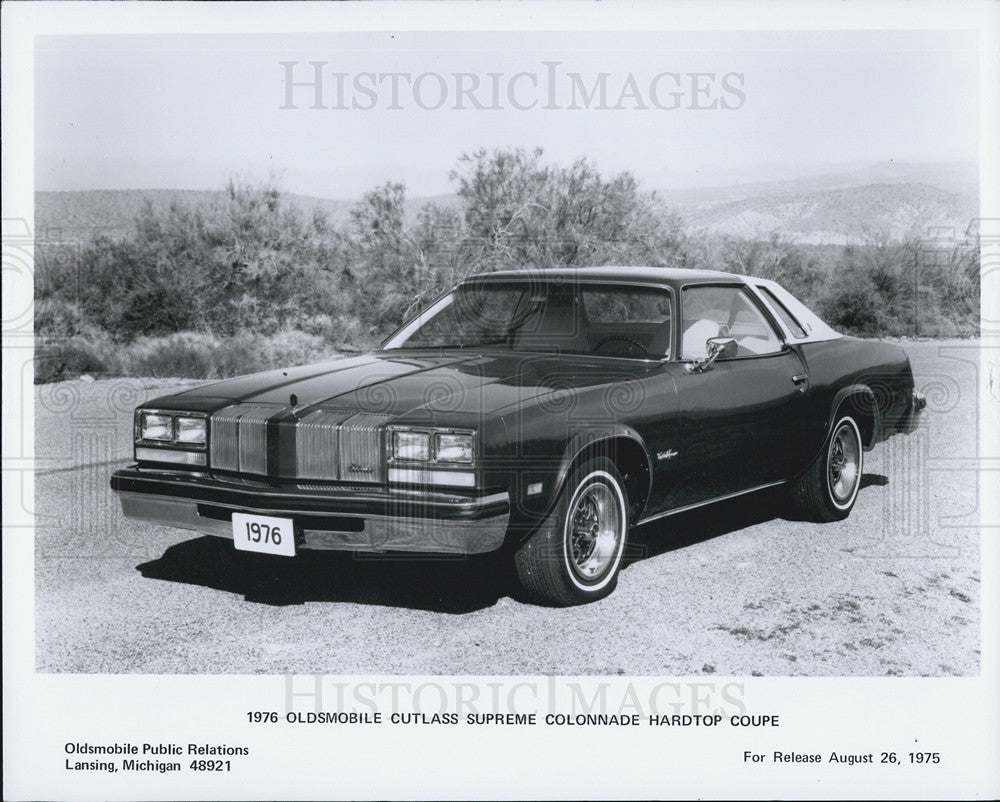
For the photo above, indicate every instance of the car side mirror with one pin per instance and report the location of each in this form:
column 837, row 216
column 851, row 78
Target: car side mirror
column 721, row 348
column 724, row 347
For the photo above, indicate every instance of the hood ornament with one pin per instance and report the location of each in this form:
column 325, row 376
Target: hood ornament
column 293, row 400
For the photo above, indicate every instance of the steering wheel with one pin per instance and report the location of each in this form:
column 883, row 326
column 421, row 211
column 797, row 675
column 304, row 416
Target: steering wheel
column 635, row 344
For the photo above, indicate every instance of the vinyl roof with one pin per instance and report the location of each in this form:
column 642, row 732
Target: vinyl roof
column 658, row 275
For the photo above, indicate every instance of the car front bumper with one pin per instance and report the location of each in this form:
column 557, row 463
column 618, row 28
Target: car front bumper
column 339, row 518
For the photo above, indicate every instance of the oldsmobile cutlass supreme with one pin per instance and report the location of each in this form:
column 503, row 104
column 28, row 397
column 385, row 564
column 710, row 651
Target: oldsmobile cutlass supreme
column 543, row 413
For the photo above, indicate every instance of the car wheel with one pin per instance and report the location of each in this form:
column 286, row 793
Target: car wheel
column 574, row 555
column 828, row 489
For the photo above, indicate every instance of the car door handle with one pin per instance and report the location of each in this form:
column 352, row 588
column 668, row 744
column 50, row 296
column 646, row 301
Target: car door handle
column 800, row 380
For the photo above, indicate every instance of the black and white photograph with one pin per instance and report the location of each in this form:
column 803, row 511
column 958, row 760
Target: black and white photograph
column 542, row 382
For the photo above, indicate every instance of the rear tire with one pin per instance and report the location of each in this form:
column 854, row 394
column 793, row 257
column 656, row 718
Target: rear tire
column 829, row 487
column 574, row 555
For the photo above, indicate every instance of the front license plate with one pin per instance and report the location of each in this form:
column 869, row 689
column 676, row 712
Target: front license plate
column 264, row 534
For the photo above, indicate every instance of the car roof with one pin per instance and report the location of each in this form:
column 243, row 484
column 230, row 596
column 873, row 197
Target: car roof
column 654, row 275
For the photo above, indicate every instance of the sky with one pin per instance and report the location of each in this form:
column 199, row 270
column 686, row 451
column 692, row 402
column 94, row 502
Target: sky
column 188, row 111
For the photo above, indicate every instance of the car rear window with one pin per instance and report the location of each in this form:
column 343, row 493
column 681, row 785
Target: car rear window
column 781, row 310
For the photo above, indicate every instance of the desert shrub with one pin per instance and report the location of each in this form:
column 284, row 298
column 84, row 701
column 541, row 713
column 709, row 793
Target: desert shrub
column 852, row 309
column 774, row 257
column 244, row 259
column 57, row 269
column 865, row 294
column 321, row 325
column 348, row 334
column 381, row 273
column 68, row 345
column 57, row 360
column 949, row 289
column 908, row 287
column 59, row 319
column 292, row 348
column 521, row 212
column 182, row 355
column 201, row 355
column 234, row 356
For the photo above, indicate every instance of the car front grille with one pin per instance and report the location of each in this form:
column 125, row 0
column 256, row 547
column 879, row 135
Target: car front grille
column 331, row 445
column 340, row 446
column 316, row 444
column 239, row 438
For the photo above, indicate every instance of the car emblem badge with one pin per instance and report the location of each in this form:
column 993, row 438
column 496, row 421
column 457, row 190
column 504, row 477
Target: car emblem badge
column 662, row 455
column 355, row 468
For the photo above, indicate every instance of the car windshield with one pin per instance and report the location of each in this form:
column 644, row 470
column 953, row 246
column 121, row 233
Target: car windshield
column 569, row 317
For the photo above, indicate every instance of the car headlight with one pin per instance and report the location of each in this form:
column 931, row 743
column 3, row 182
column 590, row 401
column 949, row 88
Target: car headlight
column 174, row 437
column 157, row 427
column 429, row 456
column 192, row 431
column 453, row 448
column 413, row 446
column 177, row 429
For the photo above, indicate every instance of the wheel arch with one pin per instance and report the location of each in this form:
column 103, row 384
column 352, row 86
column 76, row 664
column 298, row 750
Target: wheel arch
column 626, row 449
column 861, row 401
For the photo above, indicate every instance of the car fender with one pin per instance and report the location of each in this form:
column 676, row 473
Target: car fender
column 861, row 398
column 582, row 441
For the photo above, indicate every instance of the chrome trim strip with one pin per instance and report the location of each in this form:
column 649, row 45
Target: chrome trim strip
column 705, row 503
column 380, row 533
column 505, row 496
column 457, row 502
column 246, row 487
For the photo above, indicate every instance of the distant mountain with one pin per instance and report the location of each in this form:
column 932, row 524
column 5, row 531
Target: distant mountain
column 823, row 206
column 838, row 216
column 711, row 183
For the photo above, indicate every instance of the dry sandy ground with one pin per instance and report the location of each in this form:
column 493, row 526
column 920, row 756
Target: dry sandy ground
column 734, row 589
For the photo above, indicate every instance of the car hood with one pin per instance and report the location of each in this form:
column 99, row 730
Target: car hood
column 410, row 383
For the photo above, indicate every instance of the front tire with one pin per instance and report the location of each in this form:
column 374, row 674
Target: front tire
column 829, row 487
column 574, row 556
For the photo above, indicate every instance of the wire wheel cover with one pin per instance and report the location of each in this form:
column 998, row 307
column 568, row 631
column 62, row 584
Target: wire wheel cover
column 594, row 531
column 844, row 463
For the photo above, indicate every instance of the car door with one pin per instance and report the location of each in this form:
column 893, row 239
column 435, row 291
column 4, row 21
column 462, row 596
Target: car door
column 742, row 420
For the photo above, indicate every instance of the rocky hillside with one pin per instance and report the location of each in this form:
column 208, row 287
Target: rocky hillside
column 838, row 216
column 823, row 208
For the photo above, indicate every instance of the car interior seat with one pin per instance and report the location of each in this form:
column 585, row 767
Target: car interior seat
column 560, row 325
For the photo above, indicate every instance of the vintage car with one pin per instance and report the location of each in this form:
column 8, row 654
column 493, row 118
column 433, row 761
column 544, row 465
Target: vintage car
column 543, row 413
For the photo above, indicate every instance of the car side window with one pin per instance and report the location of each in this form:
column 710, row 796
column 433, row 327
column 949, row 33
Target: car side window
column 719, row 311
column 624, row 320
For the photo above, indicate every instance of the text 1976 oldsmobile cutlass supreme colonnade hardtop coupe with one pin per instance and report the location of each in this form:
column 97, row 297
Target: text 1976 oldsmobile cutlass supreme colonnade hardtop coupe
column 544, row 413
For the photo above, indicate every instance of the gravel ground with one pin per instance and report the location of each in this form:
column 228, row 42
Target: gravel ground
column 732, row 589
